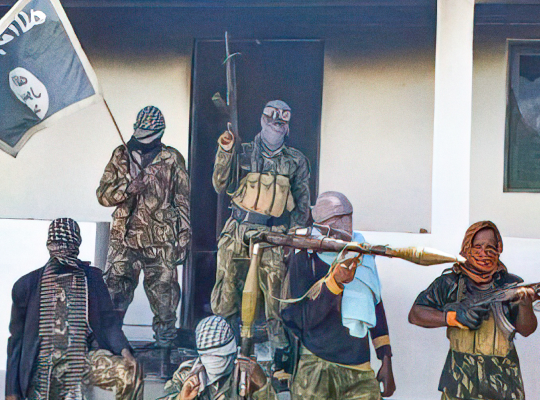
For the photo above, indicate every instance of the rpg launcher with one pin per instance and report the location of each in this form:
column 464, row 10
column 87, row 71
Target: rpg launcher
column 417, row 255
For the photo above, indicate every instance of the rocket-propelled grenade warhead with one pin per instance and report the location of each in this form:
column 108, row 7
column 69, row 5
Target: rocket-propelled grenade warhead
column 423, row 255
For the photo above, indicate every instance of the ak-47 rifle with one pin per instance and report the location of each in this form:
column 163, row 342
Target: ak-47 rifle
column 494, row 297
column 228, row 108
column 506, row 292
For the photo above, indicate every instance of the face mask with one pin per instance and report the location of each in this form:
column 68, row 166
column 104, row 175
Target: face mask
column 146, row 136
column 274, row 132
column 217, row 367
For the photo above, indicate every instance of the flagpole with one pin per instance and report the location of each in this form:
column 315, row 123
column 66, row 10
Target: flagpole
column 121, row 137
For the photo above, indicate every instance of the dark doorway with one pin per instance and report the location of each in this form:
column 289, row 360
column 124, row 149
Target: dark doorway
column 289, row 70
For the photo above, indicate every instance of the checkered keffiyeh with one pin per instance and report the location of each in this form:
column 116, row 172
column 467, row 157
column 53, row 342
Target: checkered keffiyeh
column 213, row 332
column 150, row 118
column 63, row 243
column 64, row 230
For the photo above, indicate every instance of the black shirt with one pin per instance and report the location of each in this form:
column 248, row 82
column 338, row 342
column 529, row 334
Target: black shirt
column 317, row 323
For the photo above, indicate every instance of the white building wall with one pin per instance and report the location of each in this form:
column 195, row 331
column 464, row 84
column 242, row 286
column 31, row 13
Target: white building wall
column 377, row 134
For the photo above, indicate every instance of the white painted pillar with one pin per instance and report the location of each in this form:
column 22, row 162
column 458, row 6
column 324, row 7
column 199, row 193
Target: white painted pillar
column 452, row 119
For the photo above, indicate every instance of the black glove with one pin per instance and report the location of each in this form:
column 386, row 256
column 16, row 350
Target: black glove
column 471, row 317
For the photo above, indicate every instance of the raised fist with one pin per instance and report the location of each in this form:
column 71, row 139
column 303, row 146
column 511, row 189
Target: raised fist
column 226, row 140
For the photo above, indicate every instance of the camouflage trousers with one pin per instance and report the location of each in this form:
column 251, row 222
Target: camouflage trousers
column 232, row 268
column 105, row 371
column 160, row 282
column 476, row 376
column 317, row 379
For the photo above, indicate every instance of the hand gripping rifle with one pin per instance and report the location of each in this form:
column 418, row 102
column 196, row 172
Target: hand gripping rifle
column 417, row 255
column 495, row 297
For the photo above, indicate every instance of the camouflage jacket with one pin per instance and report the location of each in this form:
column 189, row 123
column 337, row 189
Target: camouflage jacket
column 288, row 162
column 157, row 216
column 222, row 391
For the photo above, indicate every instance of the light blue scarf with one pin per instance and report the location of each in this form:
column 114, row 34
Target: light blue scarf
column 361, row 295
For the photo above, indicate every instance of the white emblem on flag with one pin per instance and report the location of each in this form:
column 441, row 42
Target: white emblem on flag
column 30, row 90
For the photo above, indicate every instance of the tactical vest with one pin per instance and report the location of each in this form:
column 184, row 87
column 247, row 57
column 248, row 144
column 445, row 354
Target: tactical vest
column 266, row 194
column 490, row 339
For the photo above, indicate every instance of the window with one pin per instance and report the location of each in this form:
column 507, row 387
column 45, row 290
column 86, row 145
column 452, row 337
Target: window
column 522, row 144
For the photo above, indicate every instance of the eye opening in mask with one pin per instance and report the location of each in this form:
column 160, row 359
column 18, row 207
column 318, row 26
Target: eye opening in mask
column 489, row 251
column 276, row 113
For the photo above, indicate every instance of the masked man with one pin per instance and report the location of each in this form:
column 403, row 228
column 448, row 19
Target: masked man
column 482, row 362
column 149, row 185
column 214, row 375
column 334, row 358
column 58, row 312
column 273, row 193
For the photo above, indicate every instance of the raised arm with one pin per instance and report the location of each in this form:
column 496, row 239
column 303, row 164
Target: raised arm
column 223, row 162
column 437, row 306
column 428, row 310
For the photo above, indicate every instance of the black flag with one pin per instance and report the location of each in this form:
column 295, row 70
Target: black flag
column 44, row 74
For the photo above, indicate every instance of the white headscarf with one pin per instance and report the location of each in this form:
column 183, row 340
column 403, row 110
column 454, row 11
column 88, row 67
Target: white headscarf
column 217, row 348
column 218, row 362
